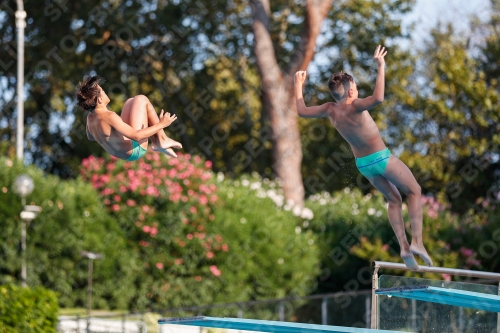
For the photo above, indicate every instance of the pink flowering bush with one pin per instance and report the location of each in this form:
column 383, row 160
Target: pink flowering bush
column 432, row 206
column 166, row 211
column 199, row 239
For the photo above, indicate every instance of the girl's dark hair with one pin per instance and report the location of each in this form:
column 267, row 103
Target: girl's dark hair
column 338, row 84
column 87, row 92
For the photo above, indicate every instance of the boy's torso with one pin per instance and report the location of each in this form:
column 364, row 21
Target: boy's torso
column 112, row 141
column 357, row 128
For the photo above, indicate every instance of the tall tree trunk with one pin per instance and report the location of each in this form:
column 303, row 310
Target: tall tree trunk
column 278, row 93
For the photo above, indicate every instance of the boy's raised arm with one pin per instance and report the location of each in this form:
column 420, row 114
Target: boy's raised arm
column 319, row 111
column 362, row 104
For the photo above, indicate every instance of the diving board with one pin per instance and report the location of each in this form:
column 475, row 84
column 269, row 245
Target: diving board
column 466, row 299
column 264, row 325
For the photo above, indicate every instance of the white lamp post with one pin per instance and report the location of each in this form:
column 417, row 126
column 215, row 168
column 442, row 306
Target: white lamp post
column 91, row 256
column 21, row 24
column 23, row 186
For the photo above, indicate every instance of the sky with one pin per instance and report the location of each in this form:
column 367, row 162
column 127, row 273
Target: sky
column 427, row 13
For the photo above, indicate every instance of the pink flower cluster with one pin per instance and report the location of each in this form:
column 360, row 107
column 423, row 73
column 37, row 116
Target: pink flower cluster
column 431, row 206
column 143, row 188
column 215, row 271
column 471, row 257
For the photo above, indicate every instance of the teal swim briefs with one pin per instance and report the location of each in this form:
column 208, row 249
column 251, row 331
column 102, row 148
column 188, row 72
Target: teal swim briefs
column 137, row 152
column 373, row 164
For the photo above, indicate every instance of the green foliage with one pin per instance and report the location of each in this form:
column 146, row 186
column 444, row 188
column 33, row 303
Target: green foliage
column 26, row 310
column 165, row 234
column 194, row 59
column 192, row 246
column 353, row 230
column 269, row 246
column 72, row 220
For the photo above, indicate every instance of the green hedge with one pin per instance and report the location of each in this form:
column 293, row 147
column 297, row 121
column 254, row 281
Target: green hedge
column 25, row 310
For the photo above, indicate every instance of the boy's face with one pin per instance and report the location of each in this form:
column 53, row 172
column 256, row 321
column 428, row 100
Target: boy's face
column 353, row 90
column 103, row 98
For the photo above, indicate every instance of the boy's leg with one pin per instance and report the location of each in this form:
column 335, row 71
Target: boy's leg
column 401, row 176
column 137, row 119
column 394, row 210
column 162, row 142
column 140, row 110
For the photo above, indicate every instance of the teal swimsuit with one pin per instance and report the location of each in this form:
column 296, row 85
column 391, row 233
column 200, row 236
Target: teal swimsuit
column 373, row 164
column 137, row 152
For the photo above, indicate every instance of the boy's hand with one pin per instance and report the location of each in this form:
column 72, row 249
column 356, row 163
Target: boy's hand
column 300, row 77
column 379, row 55
column 166, row 119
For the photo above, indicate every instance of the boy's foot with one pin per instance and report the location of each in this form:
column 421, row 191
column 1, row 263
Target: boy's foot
column 409, row 260
column 422, row 252
column 166, row 145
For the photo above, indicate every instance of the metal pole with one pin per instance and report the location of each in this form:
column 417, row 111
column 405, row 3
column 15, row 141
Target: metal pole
column 374, row 312
column 424, row 269
column 498, row 315
column 282, row 311
column 23, row 249
column 461, row 320
column 89, row 289
column 20, row 24
column 89, row 294
column 414, row 315
column 367, row 311
column 324, row 311
column 440, row 270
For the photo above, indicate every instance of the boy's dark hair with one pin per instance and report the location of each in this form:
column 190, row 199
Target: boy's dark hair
column 87, row 92
column 339, row 84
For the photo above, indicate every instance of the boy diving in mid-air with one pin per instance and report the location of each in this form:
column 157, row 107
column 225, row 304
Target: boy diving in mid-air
column 125, row 136
column 373, row 159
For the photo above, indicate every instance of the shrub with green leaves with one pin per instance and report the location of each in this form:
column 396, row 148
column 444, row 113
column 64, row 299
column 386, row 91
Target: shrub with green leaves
column 271, row 250
column 201, row 241
column 26, row 310
column 73, row 219
column 354, row 229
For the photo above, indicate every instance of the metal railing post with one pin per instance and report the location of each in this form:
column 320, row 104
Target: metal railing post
column 282, row 311
column 440, row 270
column 424, row 269
column 324, row 311
column 367, row 311
column 498, row 315
column 374, row 312
column 414, row 315
column 461, row 320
